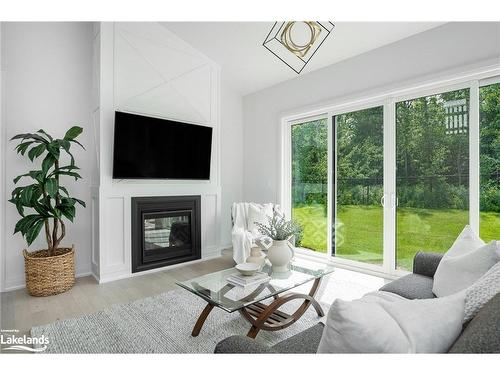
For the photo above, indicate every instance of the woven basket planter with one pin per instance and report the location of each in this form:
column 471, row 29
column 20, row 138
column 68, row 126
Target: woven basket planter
column 46, row 276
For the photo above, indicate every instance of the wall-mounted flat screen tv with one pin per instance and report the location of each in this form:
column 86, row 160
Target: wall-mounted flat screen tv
column 153, row 148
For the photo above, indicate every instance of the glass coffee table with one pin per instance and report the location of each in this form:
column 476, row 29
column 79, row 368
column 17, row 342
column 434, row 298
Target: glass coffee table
column 248, row 301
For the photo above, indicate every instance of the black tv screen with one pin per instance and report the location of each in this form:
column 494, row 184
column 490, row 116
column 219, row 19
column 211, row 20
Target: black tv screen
column 153, row 148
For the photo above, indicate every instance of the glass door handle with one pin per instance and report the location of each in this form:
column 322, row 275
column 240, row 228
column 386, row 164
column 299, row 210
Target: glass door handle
column 382, row 201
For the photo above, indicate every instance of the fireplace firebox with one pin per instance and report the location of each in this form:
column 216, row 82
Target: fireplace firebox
column 165, row 231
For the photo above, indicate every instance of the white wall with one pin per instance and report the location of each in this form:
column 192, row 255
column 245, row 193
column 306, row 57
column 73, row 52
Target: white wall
column 448, row 47
column 231, row 156
column 47, row 78
column 52, row 80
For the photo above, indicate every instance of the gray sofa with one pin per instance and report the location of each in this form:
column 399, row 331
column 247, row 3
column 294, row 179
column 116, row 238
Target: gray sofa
column 480, row 335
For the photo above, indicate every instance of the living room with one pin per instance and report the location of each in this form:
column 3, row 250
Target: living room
column 193, row 186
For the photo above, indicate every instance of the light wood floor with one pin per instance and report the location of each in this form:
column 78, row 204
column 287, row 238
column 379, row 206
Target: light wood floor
column 21, row 311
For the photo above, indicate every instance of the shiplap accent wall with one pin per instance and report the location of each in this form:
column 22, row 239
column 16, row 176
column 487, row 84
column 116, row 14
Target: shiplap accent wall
column 144, row 68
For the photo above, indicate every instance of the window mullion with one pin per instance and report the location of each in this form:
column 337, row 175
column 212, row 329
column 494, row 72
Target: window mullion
column 389, row 255
column 474, row 161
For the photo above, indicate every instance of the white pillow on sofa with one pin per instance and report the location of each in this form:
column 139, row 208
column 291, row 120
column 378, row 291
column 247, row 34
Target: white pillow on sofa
column 466, row 241
column 458, row 272
column 377, row 324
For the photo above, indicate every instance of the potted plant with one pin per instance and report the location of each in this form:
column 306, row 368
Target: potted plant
column 46, row 204
column 280, row 231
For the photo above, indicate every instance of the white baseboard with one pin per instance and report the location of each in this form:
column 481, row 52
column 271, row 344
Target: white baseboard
column 21, row 284
column 214, row 252
column 211, row 254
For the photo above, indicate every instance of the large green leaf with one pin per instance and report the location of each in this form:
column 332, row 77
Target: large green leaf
column 78, row 143
column 64, row 190
column 26, row 223
column 36, row 151
column 42, row 209
column 72, row 133
column 51, row 187
column 26, row 195
column 16, row 180
column 37, row 175
column 37, row 193
column 53, row 149
column 22, row 147
column 41, row 131
column 67, row 201
column 19, row 205
column 68, row 212
column 17, row 190
column 47, row 163
column 33, row 232
column 82, row 203
column 65, row 144
column 67, row 173
column 23, row 136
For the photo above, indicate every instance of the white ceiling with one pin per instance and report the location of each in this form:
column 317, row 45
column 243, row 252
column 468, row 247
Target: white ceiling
column 249, row 67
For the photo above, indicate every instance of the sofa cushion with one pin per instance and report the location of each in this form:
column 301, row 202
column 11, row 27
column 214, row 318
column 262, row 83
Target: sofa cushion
column 458, row 272
column 411, row 286
column 304, row 342
column 482, row 334
column 241, row 344
column 426, row 263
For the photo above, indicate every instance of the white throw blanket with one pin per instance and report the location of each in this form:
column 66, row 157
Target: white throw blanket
column 242, row 238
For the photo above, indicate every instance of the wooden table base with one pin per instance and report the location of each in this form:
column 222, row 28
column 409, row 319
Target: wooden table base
column 269, row 317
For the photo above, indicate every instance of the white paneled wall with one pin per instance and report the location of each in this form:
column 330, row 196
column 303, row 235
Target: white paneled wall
column 144, row 68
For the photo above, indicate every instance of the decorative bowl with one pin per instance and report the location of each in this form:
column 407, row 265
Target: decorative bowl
column 247, row 269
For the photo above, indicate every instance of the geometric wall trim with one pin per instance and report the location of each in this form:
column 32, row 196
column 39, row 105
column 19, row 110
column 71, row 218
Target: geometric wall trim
column 157, row 74
column 145, row 68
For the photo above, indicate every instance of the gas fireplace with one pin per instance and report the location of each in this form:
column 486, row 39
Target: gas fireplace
column 165, row 231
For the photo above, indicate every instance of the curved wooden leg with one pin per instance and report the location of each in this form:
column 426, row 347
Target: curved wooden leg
column 313, row 301
column 201, row 320
column 269, row 318
column 317, row 307
column 252, row 332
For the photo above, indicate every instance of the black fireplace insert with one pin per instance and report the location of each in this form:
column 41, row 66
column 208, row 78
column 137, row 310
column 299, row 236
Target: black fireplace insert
column 165, row 231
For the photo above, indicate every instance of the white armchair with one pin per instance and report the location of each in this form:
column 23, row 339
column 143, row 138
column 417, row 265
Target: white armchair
column 245, row 233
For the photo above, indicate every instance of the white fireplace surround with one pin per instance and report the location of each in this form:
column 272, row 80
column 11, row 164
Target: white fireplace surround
column 144, row 68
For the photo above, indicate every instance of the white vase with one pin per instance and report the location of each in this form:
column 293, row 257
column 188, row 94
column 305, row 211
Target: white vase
column 256, row 256
column 280, row 254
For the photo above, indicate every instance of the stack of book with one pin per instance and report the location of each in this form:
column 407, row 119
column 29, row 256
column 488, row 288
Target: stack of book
column 244, row 281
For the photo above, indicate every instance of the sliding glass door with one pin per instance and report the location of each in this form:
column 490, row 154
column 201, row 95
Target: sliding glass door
column 358, row 213
column 489, row 127
column 378, row 183
column 432, row 173
column 309, row 175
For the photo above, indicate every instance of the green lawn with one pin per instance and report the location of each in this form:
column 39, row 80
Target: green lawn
column 359, row 231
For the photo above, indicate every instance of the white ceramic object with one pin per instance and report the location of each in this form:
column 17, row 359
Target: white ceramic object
column 256, row 256
column 280, row 254
column 247, row 269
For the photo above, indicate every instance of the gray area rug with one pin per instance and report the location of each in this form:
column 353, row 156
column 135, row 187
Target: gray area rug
column 159, row 324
